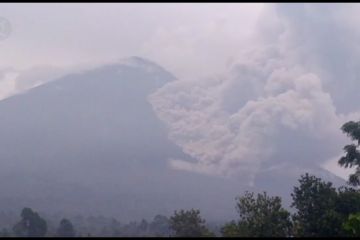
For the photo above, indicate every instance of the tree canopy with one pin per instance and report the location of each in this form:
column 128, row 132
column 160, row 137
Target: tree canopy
column 30, row 225
column 65, row 229
column 189, row 224
column 321, row 208
column 352, row 154
column 260, row 216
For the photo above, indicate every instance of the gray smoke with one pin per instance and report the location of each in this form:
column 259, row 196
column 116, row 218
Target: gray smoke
column 283, row 101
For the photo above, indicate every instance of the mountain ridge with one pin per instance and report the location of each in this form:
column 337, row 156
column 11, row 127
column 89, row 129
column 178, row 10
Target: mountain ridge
column 90, row 142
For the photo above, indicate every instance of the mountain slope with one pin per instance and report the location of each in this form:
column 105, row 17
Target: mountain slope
column 90, row 143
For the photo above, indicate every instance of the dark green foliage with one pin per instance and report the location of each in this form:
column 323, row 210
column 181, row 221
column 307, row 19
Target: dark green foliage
column 321, row 209
column 30, row 225
column 352, row 225
column 65, row 229
column 348, row 201
column 262, row 216
column 234, row 229
column 348, row 204
column 353, row 130
column 111, row 227
column 160, row 226
column 189, row 224
column 352, row 154
column 315, row 201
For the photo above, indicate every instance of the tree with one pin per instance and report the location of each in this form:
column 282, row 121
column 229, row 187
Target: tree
column 234, row 229
column 65, row 229
column 348, row 201
column 115, row 228
column 31, row 224
column 262, row 216
column 322, row 209
column 352, row 154
column 160, row 226
column 352, row 225
column 318, row 210
column 143, row 227
column 189, row 224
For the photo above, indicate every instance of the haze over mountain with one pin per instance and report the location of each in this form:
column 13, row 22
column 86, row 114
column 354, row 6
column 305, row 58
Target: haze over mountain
column 91, row 143
column 221, row 99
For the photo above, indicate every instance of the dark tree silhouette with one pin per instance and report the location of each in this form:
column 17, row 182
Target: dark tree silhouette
column 30, row 225
column 189, row 224
column 262, row 216
column 352, row 154
column 65, row 229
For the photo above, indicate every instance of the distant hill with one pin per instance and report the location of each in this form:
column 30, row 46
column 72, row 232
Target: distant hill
column 90, row 143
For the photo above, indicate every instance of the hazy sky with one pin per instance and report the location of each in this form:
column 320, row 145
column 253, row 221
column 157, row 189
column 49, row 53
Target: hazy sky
column 188, row 39
column 258, row 83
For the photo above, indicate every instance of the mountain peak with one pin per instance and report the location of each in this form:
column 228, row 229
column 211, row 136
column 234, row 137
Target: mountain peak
column 145, row 64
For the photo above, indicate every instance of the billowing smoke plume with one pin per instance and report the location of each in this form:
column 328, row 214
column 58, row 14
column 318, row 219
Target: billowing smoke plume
column 283, row 101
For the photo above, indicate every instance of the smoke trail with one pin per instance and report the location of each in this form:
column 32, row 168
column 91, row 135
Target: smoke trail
column 276, row 96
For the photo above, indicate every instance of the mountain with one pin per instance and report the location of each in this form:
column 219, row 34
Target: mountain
column 90, row 143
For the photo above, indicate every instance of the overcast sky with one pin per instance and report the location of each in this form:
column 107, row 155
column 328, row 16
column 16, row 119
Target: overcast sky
column 251, row 76
column 188, row 39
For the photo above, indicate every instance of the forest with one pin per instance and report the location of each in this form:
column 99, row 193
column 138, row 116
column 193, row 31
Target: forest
column 320, row 210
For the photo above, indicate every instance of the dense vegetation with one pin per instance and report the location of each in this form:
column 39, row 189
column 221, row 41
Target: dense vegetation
column 321, row 210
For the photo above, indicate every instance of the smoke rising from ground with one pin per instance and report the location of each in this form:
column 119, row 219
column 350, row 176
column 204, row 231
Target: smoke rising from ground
column 294, row 87
column 281, row 78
